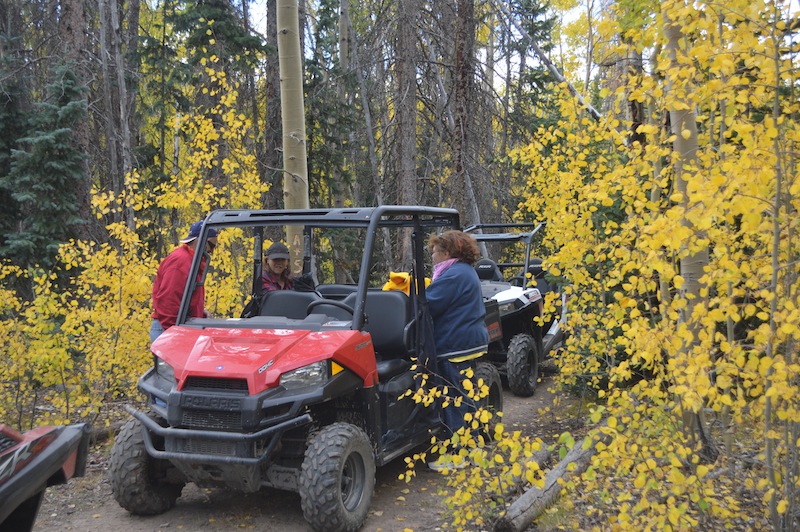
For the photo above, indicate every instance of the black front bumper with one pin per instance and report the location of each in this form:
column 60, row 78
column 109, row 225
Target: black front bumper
column 270, row 435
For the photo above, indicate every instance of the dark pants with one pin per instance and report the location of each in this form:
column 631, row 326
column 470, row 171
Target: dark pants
column 450, row 375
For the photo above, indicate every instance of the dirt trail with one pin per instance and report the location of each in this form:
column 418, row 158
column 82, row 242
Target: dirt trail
column 86, row 504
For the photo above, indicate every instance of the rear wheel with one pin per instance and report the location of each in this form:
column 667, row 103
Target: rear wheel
column 337, row 478
column 138, row 481
column 523, row 365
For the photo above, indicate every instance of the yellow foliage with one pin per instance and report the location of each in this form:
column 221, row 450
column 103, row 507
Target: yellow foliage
column 71, row 351
column 653, row 348
column 79, row 350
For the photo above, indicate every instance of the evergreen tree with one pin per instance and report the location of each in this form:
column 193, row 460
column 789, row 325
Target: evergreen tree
column 215, row 27
column 533, row 87
column 330, row 117
column 45, row 174
column 11, row 128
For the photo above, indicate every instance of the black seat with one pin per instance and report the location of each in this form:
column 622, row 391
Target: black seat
column 287, row 303
column 537, row 275
column 488, row 270
column 336, row 291
column 388, row 313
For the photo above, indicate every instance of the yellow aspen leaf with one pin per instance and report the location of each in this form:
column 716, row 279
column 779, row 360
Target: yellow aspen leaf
column 764, row 365
column 640, row 481
column 782, row 506
column 676, row 476
column 685, row 133
column 674, row 515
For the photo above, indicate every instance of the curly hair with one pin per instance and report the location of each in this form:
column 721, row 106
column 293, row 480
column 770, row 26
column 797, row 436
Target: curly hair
column 457, row 244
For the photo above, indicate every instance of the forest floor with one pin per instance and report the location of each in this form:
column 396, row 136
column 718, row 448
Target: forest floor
column 86, row 504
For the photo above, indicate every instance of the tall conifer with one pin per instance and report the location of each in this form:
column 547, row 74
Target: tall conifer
column 45, row 174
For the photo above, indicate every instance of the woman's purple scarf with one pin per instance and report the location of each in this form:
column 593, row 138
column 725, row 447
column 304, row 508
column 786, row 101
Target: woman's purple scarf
column 438, row 269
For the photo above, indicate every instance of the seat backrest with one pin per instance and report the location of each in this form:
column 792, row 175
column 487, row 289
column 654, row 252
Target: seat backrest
column 488, row 270
column 287, row 303
column 388, row 313
column 336, row 291
column 537, row 275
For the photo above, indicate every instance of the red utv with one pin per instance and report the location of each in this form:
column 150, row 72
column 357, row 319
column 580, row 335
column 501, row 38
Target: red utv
column 304, row 390
column 32, row 461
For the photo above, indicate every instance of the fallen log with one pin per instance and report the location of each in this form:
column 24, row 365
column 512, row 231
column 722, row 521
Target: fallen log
column 535, row 501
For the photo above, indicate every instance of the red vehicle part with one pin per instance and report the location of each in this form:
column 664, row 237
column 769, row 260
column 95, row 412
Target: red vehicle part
column 32, row 461
column 260, row 356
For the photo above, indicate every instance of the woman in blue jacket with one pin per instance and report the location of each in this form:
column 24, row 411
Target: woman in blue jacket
column 456, row 305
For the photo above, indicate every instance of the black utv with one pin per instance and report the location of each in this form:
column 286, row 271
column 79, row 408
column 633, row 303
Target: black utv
column 514, row 285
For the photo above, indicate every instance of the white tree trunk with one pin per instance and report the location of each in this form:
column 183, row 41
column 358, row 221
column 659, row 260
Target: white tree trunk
column 683, row 122
column 295, row 164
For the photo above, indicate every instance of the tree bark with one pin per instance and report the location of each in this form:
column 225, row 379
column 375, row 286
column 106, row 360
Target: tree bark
column 344, row 66
column 125, row 144
column 683, row 122
column 463, row 97
column 535, row 501
column 72, row 27
column 406, row 101
column 272, row 131
column 295, row 180
column 108, row 99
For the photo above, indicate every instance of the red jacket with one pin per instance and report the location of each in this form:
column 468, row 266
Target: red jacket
column 169, row 284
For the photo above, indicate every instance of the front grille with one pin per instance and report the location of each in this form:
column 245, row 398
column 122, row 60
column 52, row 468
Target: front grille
column 212, row 420
column 211, row 383
column 206, row 447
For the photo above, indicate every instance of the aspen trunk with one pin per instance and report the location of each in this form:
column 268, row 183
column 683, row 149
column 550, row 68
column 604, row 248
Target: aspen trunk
column 295, row 164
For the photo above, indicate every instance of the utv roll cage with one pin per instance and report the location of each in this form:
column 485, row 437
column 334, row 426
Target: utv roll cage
column 372, row 219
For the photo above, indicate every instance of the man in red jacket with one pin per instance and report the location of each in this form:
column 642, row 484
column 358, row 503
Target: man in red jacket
column 171, row 280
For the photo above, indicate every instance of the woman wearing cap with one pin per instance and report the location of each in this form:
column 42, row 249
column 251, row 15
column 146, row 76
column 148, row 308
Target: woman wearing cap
column 171, row 280
column 276, row 275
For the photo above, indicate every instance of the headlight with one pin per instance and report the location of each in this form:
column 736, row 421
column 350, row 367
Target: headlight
column 165, row 371
column 506, row 308
column 312, row 375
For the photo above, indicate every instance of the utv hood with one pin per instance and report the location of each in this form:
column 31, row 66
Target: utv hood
column 259, row 356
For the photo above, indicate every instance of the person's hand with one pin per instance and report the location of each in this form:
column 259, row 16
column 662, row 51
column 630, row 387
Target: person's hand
column 206, row 313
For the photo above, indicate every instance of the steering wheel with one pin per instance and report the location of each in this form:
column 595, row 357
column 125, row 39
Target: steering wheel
column 518, row 280
column 333, row 302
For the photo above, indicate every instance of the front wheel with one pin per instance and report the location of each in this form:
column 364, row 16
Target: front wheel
column 337, row 478
column 523, row 365
column 138, row 481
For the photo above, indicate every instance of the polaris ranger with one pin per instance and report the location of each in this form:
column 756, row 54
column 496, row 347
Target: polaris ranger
column 301, row 390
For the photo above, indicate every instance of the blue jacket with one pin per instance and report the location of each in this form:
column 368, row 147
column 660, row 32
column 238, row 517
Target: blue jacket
column 457, row 308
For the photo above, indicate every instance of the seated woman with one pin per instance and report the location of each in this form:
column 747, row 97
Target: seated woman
column 276, row 274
